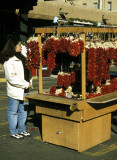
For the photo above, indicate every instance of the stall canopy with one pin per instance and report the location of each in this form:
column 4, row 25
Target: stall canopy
column 47, row 10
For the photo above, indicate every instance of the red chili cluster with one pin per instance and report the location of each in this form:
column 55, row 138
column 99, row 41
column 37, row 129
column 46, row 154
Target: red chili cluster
column 53, row 47
column 33, row 55
column 91, row 95
column 105, row 89
column 109, row 88
column 62, row 94
column 74, row 49
column 63, row 45
column 66, row 79
column 97, row 67
column 53, row 90
column 51, row 60
column 51, row 44
column 112, row 53
column 49, row 51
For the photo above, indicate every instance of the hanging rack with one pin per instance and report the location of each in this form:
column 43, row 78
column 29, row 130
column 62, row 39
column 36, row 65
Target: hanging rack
column 82, row 31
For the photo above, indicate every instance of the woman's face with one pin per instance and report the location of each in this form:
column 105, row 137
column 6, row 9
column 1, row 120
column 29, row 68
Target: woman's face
column 18, row 47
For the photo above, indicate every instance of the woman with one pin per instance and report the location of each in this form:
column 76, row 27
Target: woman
column 14, row 73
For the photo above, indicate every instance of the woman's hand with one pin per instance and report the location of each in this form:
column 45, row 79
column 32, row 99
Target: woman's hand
column 29, row 85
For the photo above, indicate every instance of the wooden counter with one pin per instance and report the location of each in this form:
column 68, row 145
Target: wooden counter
column 76, row 124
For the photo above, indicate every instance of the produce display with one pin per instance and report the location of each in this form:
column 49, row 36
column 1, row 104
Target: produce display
column 65, row 53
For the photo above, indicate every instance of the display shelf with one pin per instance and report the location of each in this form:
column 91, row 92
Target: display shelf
column 54, row 99
column 104, row 98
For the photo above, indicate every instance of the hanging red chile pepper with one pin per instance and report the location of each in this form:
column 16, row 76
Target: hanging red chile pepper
column 33, row 55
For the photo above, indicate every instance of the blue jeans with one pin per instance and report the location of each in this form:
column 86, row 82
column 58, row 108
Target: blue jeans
column 16, row 116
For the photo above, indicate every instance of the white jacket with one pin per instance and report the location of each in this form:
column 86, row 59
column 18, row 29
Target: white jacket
column 14, row 73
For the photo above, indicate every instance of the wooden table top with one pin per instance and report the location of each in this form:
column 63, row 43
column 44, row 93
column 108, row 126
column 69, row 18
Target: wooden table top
column 104, row 98
column 69, row 101
column 54, row 99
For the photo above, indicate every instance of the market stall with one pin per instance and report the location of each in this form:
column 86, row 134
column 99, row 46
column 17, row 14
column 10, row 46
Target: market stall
column 77, row 120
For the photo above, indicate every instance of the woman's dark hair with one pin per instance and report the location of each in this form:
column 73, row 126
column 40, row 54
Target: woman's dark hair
column 9, row 50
